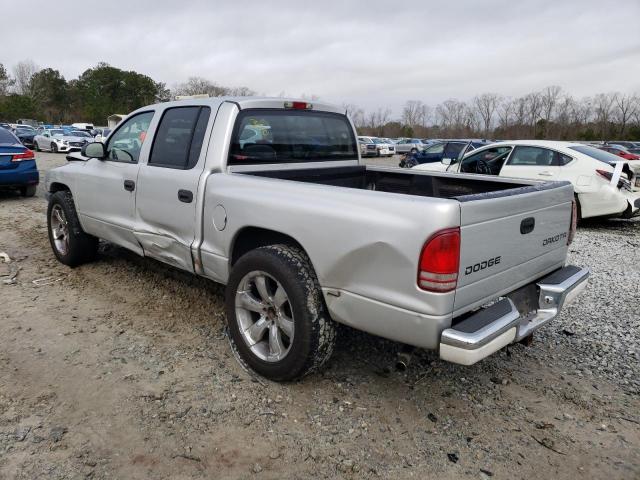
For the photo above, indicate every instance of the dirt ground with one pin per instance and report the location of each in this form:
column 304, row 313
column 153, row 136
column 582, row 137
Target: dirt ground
column 121, row 369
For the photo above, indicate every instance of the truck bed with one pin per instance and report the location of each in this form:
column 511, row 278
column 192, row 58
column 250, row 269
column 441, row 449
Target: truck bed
column 393, row 180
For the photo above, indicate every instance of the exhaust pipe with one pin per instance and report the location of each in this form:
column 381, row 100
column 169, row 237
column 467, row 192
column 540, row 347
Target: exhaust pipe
column 404, row 358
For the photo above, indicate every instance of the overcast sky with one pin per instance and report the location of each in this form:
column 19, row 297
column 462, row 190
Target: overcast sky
column 371, row 53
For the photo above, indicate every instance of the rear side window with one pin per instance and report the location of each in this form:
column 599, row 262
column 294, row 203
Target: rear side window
column 532, row 156
column 179, row 138
column 285, row 136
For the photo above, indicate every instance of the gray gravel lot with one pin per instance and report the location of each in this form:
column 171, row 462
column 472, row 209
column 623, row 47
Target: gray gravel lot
column 121, row 369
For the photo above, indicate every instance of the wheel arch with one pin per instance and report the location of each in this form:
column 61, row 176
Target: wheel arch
column 58, row 187
column 250, row 238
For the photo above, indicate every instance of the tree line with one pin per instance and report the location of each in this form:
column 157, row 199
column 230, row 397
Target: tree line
column 44, row 94
column 550, row 113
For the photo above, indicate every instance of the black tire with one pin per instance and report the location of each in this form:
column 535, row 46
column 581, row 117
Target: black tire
column 314, row 331
column 578, row 210
column 28, row 191
column 82, row 247
column 54, row 148
column 35, row 146
column 414, row 150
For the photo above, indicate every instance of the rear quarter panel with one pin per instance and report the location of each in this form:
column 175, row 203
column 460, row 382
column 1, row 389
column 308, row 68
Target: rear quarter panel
column 365, row 242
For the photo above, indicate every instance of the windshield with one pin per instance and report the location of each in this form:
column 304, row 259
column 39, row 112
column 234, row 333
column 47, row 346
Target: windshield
column 78, row 133
column 25, row 128
column 57, row 132
column 279, row 136
column 596, row 153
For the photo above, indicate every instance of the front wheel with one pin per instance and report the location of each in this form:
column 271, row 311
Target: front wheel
column 278, row 323
column 35, row 146
column 414, row 150
column 70, row 244
column 54, row 148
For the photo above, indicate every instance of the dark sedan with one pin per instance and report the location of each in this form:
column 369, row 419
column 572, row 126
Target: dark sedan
column 25, row 134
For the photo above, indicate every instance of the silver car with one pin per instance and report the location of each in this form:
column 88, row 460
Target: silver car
column 410, row 145
column 56, row 140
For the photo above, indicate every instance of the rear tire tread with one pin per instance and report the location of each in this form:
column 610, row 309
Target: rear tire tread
column 323, row 329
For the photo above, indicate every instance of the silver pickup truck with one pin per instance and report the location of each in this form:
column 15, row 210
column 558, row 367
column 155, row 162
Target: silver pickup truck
column 304, row 235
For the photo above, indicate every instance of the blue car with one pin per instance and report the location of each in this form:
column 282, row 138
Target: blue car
column 450, row 149
column 17, row 165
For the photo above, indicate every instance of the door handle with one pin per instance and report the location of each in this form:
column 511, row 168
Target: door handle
column 185, row 196
column 546, row 174
column 129, row 185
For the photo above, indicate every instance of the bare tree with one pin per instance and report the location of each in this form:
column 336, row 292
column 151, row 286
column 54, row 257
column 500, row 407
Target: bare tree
column 624, row 109
column 505, row 111
column 241, row 91
column 355, row 113
column 485, row 107
column 199, row 86
column 548, row 100
column 451, row 115
column 603, row 109
column 412, row 113
column 23, row 72
column 534, row 106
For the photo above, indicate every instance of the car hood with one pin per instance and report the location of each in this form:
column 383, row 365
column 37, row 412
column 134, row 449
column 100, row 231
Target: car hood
column 72, row 138
column 432, row 167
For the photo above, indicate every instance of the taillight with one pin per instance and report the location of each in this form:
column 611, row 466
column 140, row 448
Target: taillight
column 18, row 157
column 298, row 105
column 574, row 222
column 440, row 261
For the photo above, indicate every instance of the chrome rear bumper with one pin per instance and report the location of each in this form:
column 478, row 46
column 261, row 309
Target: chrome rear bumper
column 494, row 327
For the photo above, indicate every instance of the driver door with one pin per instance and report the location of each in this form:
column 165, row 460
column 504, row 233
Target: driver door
column 105, row 188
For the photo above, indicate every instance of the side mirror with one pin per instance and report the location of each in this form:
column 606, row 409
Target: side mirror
column 447, row 161
column 94, row 150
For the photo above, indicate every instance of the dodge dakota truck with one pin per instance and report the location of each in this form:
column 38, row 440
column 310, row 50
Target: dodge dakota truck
column 304, row 235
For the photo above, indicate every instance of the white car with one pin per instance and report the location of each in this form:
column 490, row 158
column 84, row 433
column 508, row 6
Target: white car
column 383, row 148
column 604, row 184
column 56, row 140
column 102, row 134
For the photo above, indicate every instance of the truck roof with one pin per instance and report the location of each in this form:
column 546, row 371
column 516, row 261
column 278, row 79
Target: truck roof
column 250, row 102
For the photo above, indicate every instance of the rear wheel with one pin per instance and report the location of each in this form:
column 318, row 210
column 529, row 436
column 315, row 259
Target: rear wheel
column 28, row 191
column 54, row 148
column 70, row 244
column 578, row 209
column 414, row 150
column 278, row 323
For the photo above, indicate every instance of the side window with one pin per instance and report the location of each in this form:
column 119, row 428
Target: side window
column 178, row 141
column 452, row 150
column 438, row 148
column 562, row 159
column 489, row 160
column 125, row 144
column 532, row 156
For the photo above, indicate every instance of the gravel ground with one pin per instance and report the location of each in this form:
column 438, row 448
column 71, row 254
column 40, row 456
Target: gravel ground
column 120, row 369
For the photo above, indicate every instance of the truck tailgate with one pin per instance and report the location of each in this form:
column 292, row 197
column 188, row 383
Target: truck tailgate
column 511, row 240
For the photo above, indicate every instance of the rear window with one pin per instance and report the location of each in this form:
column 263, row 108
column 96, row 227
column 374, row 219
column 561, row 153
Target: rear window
column 285, row 136
column 7, row 137
column 596, row 153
